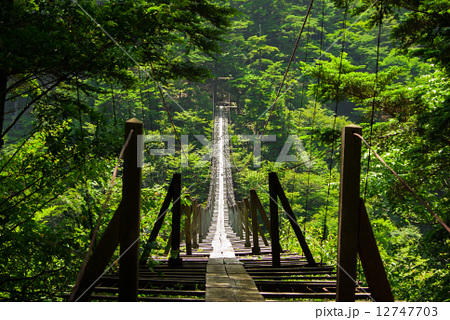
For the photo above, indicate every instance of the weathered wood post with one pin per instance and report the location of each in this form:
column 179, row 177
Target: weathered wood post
column 246, row 208
column 205, row 222
column 263, row 213
column 196, row 210
column 200, row 224
column 348, row 213
column 292, row 219
column 130, row 215
column 232, row 217
column 274, row 233
column 188, row 229
column 370, row 258
column 239, row 222
column 175, row 259
column 255, row 248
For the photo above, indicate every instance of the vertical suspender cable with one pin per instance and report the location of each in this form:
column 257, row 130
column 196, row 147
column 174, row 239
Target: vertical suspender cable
column 113, row 103
column 344, row 27
column 302, row 98
column 375, row 91
column 314, row 120
column 142, row 100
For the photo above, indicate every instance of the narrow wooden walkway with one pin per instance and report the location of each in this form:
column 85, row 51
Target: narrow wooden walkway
column 226, row 278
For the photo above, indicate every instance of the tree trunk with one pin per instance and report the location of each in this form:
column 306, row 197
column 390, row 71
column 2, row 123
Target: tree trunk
column 3, row 89
column 6, row 17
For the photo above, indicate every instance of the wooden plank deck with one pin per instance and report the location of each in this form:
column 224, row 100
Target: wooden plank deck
column 227, row 280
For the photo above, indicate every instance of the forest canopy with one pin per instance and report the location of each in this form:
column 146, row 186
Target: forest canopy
column 72, row 72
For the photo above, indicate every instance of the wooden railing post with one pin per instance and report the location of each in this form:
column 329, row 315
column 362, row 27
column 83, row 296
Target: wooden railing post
column 188, row 229
column 255, row 249
column 246, row 208
column 196, row 210
column 239, row 222
column 200, row 224
column 232, row 217
column 130, row 216
column 274, row 233
column 348, row 213
column 175, row 259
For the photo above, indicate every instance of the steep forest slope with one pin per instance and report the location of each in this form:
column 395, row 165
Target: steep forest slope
column 68, row 85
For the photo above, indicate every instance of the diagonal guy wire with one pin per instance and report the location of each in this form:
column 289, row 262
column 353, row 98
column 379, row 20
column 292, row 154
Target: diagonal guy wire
column 312, row 239
column 422, row 201
column 126, row 53
column 161, row 89
column 318, row 59
column 108, row 196
column 126, row 250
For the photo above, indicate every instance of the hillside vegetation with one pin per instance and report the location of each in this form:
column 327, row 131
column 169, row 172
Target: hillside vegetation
column 67, row 86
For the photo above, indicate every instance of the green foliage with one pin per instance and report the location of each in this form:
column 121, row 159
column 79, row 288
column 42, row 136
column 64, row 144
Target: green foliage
column 80, row 88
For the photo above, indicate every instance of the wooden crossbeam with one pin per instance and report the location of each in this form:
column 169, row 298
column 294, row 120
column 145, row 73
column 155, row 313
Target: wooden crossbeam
column 158, row 224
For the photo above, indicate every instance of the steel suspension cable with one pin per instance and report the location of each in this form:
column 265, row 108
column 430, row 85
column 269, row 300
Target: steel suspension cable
column 108, row 196
column 375, row 90
column 422, row 201
column 314, row 119
column 288, row 67
column 182, row 151
column 344, row 26
column 301, row 99
column 284, row 79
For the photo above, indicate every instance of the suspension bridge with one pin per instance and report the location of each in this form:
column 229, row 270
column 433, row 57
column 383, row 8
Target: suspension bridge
column 223, row 253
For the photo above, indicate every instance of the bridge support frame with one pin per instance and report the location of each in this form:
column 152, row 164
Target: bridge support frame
column 173, row 194
column 355, row 235
column 348, row 213
column 275, row 192
column 129, row 234
column 123, row 230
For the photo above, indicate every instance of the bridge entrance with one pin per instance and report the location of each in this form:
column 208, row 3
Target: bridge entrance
column 225, row 255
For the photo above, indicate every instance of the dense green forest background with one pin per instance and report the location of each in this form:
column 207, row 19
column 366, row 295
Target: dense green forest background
column 67, row 86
